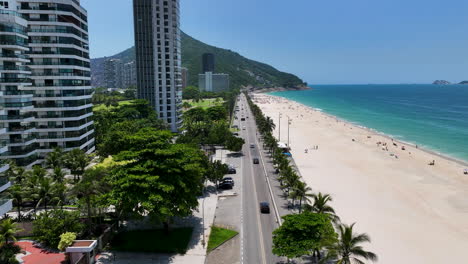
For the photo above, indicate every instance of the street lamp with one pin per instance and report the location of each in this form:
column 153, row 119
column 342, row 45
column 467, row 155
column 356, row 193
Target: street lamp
column 279, row 127
column 289, row 123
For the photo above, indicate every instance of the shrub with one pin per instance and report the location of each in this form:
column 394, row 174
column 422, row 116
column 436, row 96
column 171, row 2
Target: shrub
column 66, row 240
column 50, row 225
column 8, row 253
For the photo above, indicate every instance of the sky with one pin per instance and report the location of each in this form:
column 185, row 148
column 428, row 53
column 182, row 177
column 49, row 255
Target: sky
column 322, row 42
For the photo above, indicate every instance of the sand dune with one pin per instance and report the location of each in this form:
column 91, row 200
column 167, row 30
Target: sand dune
column 414, row 212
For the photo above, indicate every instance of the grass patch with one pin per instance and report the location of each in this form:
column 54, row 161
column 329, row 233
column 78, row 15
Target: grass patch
column 218, row 236
column 153, row 241
column 206, row 103
column 100, row 107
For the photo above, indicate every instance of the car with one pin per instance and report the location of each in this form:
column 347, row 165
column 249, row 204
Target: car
column 242, row 119
column 225, row 185
column 256, row 161
column 235, row 134
column 231, row 170
column 228, row 180
column 252, row 146
column 264, row 207
column 243, row 128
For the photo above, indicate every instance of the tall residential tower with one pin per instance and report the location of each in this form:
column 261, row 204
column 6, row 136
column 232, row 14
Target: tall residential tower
column 49, row 105
column 158, row 57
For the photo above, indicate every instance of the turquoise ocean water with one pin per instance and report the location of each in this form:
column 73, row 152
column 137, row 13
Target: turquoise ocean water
column 431, row 116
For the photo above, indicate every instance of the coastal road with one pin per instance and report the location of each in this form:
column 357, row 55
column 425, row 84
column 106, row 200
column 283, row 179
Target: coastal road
column 256, row 228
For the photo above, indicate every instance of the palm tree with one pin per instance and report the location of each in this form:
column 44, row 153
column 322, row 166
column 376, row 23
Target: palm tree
column 269, row 125
column 45, row 191
column 347, row 250
column 302, row 192
column 8, row 230
column 77, row 161
column 90, row 186
column 58, row 175
column 321, row 206
column 17, row 193
column 59, row 193
column 55, row 158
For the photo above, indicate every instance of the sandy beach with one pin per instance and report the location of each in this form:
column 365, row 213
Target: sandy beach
column 414, row 212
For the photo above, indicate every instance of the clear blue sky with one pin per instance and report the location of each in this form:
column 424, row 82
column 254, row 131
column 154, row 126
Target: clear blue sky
column 327, row 41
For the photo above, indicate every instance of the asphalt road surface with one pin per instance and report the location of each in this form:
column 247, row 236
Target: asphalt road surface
column 256, row 227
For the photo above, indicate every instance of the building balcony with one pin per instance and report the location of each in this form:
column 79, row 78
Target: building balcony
column 21, row 142
column 3, row 168
column 5, row 205
column 15, row 81
column 4, row 181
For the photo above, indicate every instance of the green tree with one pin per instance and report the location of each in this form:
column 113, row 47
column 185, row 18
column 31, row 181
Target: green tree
column 216, row 171
column 321, row 206
column 8, row 230
column 90, row 186
column 234, row 143
column 45, row 191
column 18, row 194
column 186, row 105
column 157, row 178
column 58, row 175
column 76, row 160
column 301, row 234
column 191, row 92
column 301, row 192
column 348, row 249
column 55, row 158
column 50, row 225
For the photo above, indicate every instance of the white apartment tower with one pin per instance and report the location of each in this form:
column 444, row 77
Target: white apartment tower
column 54, row 104
column 158, row 57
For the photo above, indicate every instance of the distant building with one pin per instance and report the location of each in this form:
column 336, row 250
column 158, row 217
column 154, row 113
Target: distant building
column 113, row 73
column 208, row 60
column 213, row 82
column 158, row 57
column 129, row 75
column 184, row 72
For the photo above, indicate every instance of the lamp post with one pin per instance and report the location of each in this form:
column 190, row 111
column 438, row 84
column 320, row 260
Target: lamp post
column 279, row 127
column 289, row 123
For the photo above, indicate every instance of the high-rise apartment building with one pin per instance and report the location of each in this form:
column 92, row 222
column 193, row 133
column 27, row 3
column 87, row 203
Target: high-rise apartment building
column 113, row 73
column 129, row 75
column 158, row 57
column 184, row 76
column 213, row 82
column 208, row 62
column 49, row 105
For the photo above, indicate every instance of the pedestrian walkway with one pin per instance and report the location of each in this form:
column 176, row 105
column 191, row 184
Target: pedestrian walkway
column 37, row 255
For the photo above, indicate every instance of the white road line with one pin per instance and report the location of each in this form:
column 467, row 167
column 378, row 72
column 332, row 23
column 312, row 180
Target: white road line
column 242, row 211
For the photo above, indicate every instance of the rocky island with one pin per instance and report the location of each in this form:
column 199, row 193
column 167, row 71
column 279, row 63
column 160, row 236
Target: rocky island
column 441, row 82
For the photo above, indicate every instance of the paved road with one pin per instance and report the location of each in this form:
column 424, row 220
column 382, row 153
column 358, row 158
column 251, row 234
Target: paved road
column 256, row 228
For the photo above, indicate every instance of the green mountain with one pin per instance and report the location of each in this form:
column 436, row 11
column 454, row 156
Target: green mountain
column 242, row 71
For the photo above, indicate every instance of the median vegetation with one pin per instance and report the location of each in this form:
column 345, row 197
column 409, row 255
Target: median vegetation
column 315, row 229
column 218, row 236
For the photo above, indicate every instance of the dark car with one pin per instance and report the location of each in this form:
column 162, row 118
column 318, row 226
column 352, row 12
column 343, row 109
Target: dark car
column 228, row 180
column 242, row 119
column 264, row 208
column 256, row 161
column 231, row 170
column 226, row 185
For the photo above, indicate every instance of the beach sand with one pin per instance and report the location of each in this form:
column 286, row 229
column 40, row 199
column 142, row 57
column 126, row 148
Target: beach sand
column 413, row 212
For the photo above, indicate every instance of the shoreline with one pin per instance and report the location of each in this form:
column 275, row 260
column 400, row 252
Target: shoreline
column 374, row 131
column 386, row 187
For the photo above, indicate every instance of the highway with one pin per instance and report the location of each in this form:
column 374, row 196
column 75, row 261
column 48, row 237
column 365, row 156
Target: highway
column 256, row 228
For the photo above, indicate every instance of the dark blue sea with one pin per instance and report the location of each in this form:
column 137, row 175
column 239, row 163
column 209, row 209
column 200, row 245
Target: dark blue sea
column 432, row 116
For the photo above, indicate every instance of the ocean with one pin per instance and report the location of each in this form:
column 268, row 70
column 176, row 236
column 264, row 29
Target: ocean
column 434, row 117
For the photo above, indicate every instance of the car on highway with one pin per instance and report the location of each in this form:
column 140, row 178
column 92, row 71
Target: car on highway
column 243, row 128
column 255, row 161
column 242, row 119
column 252, row 145
column 264, row 208
column 232, row 170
